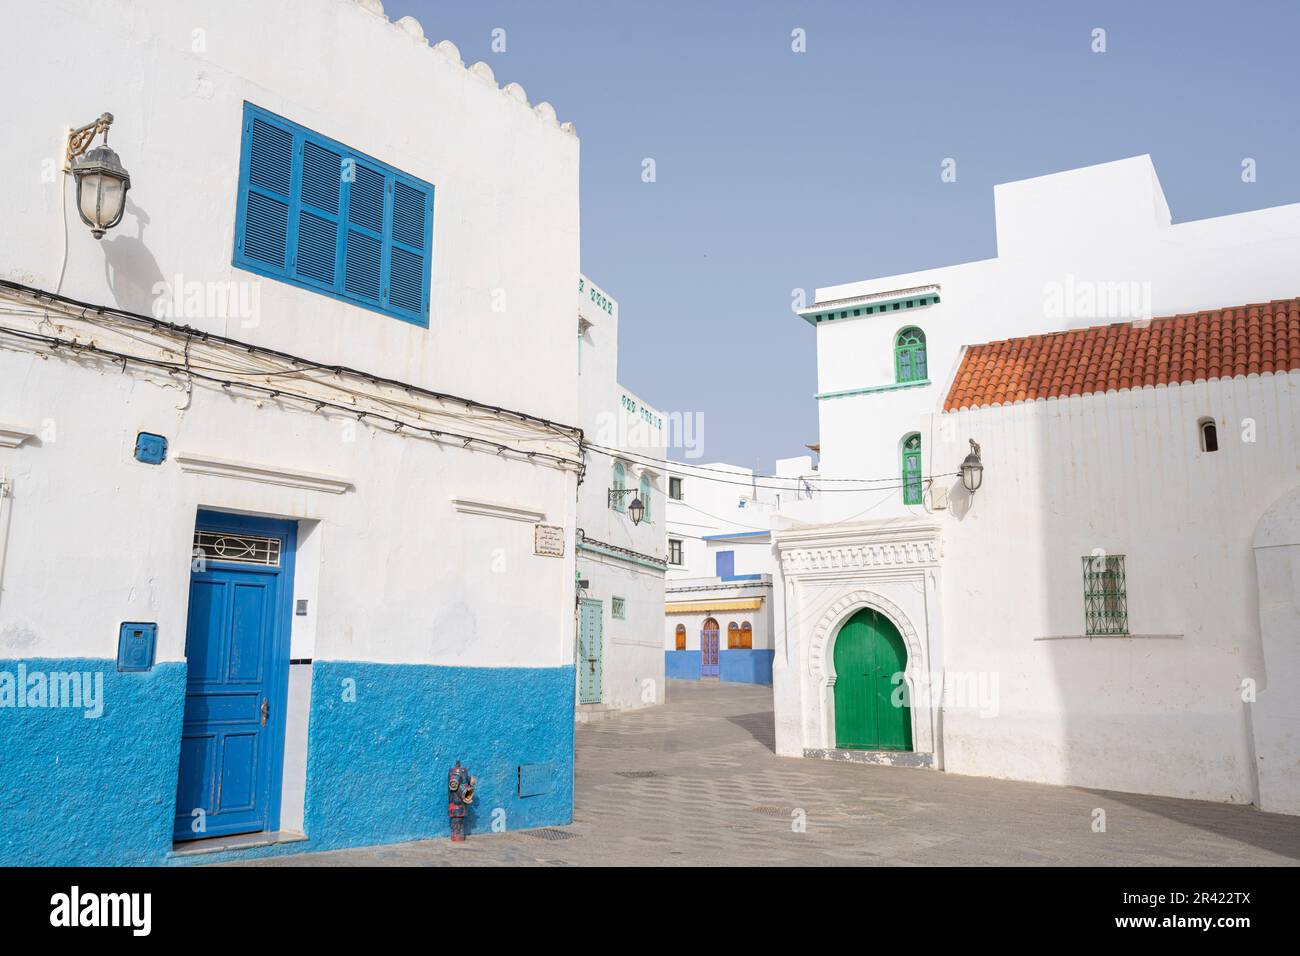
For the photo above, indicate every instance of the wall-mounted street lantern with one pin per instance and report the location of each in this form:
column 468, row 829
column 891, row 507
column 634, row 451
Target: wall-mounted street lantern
column 636, row 510
column 102, row 180
column 972, row 469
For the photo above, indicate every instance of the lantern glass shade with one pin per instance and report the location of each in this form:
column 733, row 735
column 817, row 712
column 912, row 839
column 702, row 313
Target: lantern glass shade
column 102, row 183
column 636, row 510
column 972, row 473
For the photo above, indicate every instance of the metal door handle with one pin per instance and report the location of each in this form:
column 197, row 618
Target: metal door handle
column 266, row 709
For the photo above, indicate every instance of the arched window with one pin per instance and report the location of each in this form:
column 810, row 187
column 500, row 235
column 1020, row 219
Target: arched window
column 909, row 356
column 620, row 482
column 1209, row 435
column 912, row 469
column 680, row 635
column 733, row 636
column 644, row 495
column 747, row 636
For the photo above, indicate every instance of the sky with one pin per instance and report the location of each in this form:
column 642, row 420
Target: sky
column 778, row 170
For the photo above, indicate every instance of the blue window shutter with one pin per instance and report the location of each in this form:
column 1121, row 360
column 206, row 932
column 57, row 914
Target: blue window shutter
column 408, row 248
column 267, row 192
column 316, row 214
column 725, row 562
column 364, row 260
column 316, row 257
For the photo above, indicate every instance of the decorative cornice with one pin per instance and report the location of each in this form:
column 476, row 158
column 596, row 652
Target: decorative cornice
column 495, row 509
column 894, row 300
column 267, row 474
column 823, row 549
column 621, row 554
column 11, row 436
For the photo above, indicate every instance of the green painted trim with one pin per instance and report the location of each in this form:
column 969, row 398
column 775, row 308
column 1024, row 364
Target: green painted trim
column 872, row 389
column 606, row 552
column 875, row 308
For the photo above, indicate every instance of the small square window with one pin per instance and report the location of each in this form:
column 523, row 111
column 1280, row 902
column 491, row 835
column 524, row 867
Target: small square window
column 675, row 552
column 617, row 608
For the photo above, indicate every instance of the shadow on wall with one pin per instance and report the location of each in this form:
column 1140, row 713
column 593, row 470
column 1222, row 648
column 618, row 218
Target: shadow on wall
column 130, row 269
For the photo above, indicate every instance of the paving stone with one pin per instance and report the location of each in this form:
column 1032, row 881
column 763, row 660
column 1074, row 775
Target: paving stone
column 721, row 797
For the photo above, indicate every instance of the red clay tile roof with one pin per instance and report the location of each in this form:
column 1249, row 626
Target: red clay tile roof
column 1220, row 343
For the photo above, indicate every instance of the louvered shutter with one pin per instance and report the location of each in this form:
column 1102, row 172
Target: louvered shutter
column 316, row 257
column 408, row 249
column 363, row 261
column 268, row 192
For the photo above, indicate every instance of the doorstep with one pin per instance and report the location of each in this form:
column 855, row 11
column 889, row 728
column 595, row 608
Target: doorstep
column 880, row 758
column 243, row 841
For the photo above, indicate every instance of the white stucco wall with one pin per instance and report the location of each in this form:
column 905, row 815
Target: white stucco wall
column 394, row 571
column 1162, row 711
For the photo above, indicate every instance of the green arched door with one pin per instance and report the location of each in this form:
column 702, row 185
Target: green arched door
column 869, row 651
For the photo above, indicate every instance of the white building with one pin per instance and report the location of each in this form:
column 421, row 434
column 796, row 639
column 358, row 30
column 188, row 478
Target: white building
column 621, row 563
column 1116, row 606
column 287, row 483
column 718, row 615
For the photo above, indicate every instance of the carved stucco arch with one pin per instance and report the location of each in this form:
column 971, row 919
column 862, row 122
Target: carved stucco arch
column 821, row 665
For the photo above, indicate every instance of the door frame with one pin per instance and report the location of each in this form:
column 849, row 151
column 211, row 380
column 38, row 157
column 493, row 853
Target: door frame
column 281, row 630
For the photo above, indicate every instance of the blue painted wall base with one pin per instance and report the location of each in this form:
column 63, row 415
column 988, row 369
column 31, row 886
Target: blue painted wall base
column 89, row 791
column 377, row 766
column 745, row 666
column 734, row 667
column 682, row 665
column 77, row 790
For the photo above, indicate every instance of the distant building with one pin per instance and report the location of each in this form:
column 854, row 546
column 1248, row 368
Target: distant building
column 621, row 564
column 720, row 565
column 1116, row 606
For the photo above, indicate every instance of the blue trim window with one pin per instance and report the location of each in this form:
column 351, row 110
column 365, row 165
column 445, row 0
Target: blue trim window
column 318, row 215
column 645, row 495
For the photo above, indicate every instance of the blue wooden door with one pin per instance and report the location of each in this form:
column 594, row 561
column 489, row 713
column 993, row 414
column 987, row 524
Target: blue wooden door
column 236, row 648
column 709, row 649
column 591, row 641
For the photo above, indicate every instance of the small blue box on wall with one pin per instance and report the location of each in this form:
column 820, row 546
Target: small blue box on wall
column 135, row 646
column 150, row 449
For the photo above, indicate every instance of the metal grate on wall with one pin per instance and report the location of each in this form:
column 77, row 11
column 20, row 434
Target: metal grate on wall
column 240, row 548
column 1105, row 595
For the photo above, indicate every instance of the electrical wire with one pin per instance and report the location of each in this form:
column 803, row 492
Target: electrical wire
column 637, row 458
column 56, row 343
column 568, row 432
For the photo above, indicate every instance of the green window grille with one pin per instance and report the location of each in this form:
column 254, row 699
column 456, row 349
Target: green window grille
column 617, row 609
column 620, row 482
column 1105, row 595
column 912, row 469
column 909, row 356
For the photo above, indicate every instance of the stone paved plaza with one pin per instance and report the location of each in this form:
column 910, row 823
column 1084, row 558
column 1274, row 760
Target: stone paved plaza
column 696, row 783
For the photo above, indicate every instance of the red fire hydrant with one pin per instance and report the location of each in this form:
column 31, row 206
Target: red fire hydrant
column 460, row 794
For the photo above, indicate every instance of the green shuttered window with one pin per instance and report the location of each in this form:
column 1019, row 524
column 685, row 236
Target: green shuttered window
column 912, row 469
column 316, row 214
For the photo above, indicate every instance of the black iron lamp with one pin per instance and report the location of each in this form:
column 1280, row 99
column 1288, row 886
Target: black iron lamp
column 972, row 469
column 102, row 180
column 636, row 510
